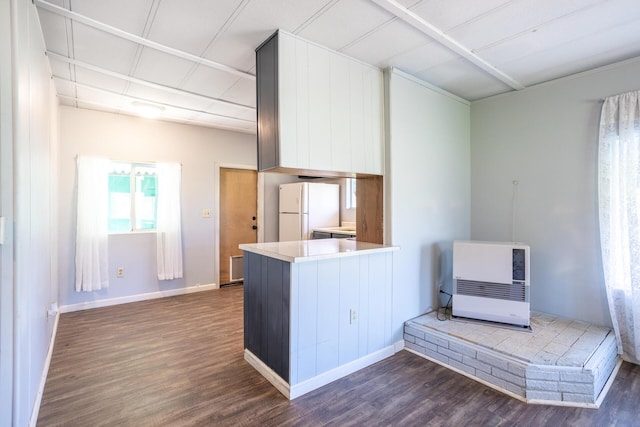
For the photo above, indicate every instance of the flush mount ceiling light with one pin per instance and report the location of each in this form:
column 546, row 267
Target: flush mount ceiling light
column 147, row 110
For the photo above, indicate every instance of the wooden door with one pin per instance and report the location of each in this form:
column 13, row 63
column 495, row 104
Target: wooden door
column 238, row 211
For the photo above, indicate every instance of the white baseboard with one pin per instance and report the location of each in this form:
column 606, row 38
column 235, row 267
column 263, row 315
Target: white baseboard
column 45, row 372
column 297, row 390
column 270, row 375
column 398, row 346
column 325, row 378
column 134, row 298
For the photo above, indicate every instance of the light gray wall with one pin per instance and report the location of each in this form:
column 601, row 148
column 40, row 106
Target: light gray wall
column 427, row 190
column 127, row 138
column 545, row 137
column 28, row 126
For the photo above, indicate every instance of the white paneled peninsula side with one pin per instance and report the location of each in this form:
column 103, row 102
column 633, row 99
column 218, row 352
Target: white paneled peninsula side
column 316, row 310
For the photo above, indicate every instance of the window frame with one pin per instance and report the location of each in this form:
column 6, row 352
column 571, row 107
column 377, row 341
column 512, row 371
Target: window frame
column 133, row 167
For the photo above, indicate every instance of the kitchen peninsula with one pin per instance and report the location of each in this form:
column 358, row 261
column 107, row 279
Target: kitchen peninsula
column 316, row 310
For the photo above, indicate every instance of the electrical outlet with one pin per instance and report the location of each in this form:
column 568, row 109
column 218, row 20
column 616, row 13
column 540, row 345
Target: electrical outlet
column 353, row 316
column 120, row 272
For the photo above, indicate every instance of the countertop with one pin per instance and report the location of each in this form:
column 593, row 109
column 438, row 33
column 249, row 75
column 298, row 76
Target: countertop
column 351, row 231
column 314, row 250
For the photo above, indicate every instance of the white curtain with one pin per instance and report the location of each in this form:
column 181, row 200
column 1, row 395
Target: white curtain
column 169, row 231
column 619, row 204
column 92, row 224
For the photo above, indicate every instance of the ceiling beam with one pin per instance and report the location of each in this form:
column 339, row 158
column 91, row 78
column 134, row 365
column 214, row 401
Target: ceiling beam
column 146, row 83
column 140, row 40
column 439, row 36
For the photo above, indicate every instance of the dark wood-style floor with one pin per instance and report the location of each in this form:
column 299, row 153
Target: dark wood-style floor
column 179, row 362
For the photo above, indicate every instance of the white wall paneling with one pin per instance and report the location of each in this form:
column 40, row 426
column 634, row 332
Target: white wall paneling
column 323, row 294
column 427, row 190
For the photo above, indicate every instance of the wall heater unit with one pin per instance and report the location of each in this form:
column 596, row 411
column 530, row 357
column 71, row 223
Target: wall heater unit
column 491, row 282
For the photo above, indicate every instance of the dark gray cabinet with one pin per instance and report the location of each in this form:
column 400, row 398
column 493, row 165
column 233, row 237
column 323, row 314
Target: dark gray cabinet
column 267, row 104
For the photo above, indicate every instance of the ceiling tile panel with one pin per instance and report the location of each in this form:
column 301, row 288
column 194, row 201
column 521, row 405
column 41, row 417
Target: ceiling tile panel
column 54, row 30
column 103, row 50
column 515, row 18
column 243, row 91
column 102, row 97
column 257, row 22
column 65, row 87
column 60, row 69
column 348, row 20
column 96, row 79
column 387, row 42
column 148, row 93
column 462, row 78
column 448, row 14
column 177, row 25
column 598, row 21
column 162, row 68
column 422, row 57
column 210, row 81
column 579, row 55
column 128, row 15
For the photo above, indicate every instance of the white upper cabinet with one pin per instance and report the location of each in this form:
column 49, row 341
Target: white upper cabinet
column 327, row 112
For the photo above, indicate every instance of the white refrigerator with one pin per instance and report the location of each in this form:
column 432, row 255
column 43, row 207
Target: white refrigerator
column 305, row 206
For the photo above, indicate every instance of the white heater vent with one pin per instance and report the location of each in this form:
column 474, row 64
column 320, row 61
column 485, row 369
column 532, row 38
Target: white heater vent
column 491, row 282
column 513, row 292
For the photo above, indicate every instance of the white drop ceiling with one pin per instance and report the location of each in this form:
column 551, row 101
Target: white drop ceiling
column 196, row 58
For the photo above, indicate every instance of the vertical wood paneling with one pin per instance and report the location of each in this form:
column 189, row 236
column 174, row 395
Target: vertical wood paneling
column 319, row 108
column 364, row 297
column 287, row 124
column 285, row 309
column 376, row 123
column 370, row 209
column 377, row 292
column 303, row 139
column 328, row 316
column 301, row 312
column 267, row 104
column 340, row 109
column 388, row 298
column 349, row 299
column 356, row 117
column 307, row 325
column 294, row 318
column 273, row 318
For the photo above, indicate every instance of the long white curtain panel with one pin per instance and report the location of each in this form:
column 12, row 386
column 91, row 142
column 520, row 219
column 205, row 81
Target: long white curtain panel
column 169, row 230
column 619, row 209
column 92, row 224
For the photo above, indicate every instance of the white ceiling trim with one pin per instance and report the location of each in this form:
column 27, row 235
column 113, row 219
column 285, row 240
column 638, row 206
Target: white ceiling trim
column 131, row 99
column 435, row 33
column 141, row 40
column 164, row 116
column 144, row 82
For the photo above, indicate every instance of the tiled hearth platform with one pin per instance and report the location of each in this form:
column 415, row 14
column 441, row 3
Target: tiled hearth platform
column 559, row 361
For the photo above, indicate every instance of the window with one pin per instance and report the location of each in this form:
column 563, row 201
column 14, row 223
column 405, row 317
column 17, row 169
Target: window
column 132, row 197
column 351, row 193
